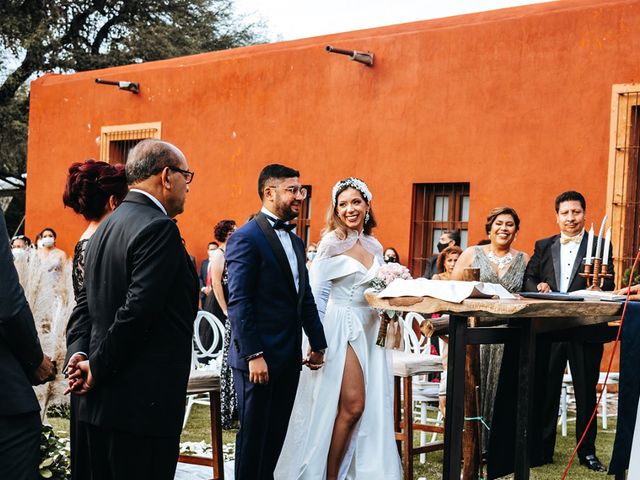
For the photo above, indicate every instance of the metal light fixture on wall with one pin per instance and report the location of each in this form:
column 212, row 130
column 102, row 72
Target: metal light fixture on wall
column 361, row 57
column 132, row 87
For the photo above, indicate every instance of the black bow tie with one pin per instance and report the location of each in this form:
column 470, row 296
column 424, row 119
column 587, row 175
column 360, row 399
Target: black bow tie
column 280, row 225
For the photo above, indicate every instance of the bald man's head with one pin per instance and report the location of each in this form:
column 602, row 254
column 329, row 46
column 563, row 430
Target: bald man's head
column 150, row 157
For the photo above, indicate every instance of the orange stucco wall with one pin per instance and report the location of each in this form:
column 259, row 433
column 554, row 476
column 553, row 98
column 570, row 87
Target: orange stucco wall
column 516, row 102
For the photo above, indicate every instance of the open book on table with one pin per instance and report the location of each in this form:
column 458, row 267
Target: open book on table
column 595, row 295
column 448, row 290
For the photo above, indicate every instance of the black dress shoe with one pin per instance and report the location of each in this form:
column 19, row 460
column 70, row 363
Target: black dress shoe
column 592, row 463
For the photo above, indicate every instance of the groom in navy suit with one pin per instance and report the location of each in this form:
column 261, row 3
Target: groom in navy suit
column 270, row 302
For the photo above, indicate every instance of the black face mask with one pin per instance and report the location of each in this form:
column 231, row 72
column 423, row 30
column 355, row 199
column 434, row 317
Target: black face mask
column 390, row 259
column 442, row 246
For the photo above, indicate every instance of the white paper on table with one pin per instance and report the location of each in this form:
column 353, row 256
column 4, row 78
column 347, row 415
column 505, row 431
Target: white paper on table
column 448, row 290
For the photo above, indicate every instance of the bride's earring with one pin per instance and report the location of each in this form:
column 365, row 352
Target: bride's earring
column 367, row 217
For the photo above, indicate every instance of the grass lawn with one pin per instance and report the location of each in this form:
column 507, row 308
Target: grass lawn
column 197, row 429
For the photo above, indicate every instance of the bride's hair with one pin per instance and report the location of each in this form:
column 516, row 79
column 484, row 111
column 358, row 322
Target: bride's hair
column 334, row 222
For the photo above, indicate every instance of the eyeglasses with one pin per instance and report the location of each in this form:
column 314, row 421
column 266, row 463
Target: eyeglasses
column 188, row 176
column 295, row 191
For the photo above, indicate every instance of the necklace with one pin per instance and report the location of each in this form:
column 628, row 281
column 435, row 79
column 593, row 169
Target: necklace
column 501, row 262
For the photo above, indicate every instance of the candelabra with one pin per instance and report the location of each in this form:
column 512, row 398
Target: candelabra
column 595, row 278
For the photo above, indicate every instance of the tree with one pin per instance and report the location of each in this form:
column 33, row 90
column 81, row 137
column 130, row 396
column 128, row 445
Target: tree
column 38, row 36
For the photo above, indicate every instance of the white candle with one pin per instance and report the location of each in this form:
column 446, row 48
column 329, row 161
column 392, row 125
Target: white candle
column 599, row 244
column 607, row 243
column 587, row 260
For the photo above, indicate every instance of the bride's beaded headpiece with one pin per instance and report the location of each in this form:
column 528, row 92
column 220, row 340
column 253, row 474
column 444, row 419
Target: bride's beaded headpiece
column 351, row 182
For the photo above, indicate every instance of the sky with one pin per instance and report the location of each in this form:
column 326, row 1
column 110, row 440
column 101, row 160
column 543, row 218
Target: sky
column 292, row 19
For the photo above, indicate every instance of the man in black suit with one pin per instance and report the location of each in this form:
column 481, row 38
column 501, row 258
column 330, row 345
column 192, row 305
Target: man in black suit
column 134, row 320
column 22, row 364
column 270, row 302
column 554, row 267
column 205, row 285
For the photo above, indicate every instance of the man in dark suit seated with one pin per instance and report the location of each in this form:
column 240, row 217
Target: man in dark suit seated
column 134, row 324
column 22, row 364
column 270, row 302
column 555, row 267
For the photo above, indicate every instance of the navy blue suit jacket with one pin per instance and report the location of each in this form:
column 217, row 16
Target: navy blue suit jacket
column 267, row 313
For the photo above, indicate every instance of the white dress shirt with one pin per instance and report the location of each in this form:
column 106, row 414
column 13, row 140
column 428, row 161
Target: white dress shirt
column 568, row 254
column 153, row 199
column 285, row 240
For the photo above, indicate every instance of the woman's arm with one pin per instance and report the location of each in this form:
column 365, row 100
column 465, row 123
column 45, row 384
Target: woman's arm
column 217, row 269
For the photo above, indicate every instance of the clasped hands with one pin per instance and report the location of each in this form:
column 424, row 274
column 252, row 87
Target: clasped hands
column 259, row 371
column 79, row 375
column 45, row 372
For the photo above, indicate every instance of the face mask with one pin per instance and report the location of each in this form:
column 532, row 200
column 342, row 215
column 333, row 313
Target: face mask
column 390, row 259
column 211, row 254
column 442, row 246
column 48, row 241
column 311, row 255
column 18, row 252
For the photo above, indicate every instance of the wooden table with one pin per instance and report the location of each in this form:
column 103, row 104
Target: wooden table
column 526, row 318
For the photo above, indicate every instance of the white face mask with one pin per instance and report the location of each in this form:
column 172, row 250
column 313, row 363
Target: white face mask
column 311, row 256
column 48, row 241
column 18, row 252
column 211, row 254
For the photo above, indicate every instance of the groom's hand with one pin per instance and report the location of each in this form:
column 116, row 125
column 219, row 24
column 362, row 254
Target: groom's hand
column 314, row 360
column 258, row 371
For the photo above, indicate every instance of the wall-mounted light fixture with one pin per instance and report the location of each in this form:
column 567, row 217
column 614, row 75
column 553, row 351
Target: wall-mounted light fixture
column 362, row 57
column 128, row 86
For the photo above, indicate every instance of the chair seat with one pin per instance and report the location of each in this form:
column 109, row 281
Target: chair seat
column 201, row 381
column 407, row 364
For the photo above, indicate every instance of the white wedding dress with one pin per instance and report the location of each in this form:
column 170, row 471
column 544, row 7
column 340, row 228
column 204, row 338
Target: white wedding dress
column 338, row 284
column 634, row 459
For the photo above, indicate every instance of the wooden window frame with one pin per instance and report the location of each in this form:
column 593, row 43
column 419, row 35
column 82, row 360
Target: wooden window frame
column 135, row 131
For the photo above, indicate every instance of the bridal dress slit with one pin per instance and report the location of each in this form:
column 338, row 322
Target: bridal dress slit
column 338, row 285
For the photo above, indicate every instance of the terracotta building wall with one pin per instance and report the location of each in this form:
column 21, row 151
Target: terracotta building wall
column 516, row 102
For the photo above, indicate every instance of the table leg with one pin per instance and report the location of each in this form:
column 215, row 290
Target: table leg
column 454, row 420
column 397, row 411
column 524, row 416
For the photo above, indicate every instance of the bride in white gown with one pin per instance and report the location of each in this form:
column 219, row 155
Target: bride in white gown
column 341, row 426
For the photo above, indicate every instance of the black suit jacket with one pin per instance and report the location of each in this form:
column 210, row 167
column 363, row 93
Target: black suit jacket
column 20, row 352
column 544, row 266
column 267, row 313
column 204, row 268
column 134, row 317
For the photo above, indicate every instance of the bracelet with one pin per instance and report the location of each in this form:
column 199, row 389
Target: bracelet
column 255, row 355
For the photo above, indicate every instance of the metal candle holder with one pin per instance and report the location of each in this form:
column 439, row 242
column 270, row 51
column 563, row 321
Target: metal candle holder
column 595, row 279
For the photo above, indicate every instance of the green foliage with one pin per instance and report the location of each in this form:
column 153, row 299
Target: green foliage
column 76, row 35
column 54, row 455
column 59, row 410
column 625, row 278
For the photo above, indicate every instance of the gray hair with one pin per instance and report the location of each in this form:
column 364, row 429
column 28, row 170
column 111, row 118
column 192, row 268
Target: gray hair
column 148, row 158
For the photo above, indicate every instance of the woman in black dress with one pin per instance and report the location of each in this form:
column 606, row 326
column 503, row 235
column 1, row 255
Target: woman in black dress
column 216, row 303
column 93, row 189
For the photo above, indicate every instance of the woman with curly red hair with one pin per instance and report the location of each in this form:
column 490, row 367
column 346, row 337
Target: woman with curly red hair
column 93, row 189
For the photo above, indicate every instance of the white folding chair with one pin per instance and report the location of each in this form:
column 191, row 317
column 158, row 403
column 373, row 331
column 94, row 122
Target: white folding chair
column 425, row 393
column 205, row 357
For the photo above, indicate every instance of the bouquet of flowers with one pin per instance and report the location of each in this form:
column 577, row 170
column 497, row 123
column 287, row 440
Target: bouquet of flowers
column 385, row 275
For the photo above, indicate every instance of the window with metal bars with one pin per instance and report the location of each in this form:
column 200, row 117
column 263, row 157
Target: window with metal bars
column 117, row 140
column 623, row 190
column 436, row 207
